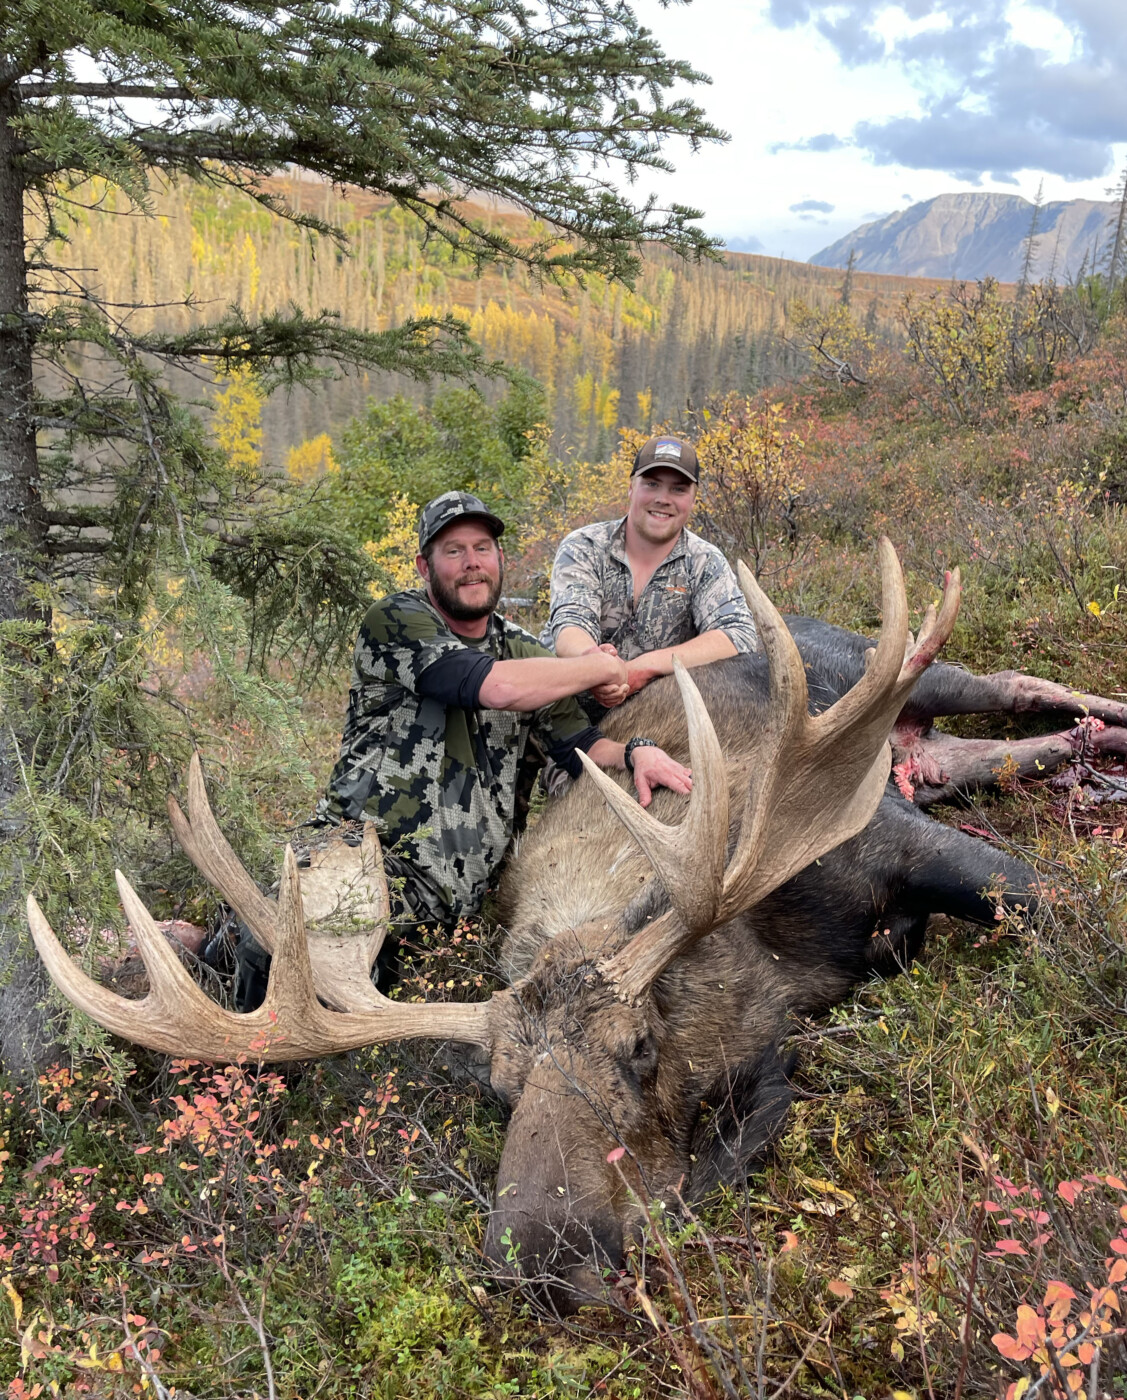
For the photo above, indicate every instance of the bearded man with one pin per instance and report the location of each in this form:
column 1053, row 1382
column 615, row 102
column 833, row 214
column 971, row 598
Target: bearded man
column 446, row 697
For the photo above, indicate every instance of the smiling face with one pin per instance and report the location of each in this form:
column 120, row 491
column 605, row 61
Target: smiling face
column 661, row 501
column 463, row 570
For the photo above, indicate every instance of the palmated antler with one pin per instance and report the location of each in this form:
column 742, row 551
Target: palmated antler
column 815, row 780
column 342, row 963
column 176, row 1017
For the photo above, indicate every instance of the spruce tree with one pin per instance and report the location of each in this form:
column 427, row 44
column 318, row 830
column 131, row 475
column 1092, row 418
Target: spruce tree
column 116, row 508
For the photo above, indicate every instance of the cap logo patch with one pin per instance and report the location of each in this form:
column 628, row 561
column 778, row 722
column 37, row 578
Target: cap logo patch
column 668, row 449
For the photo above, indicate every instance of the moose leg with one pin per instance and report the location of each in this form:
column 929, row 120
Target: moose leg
column 948, row 690
column 749, row 1105
column 931, row 766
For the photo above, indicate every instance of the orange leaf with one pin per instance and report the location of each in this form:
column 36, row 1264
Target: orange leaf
column 1118, row 1271
column 1117, row 1182
column 790, row 1241
column 1056, row 1295
column 1030, row 1327
column 1010, row 1347
column 840, row 1289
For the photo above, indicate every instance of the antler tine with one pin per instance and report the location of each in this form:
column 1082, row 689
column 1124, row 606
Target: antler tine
column 935, row 630
column 210, row 852
column 687, row 858
column 290, row 998
column 177, row 1018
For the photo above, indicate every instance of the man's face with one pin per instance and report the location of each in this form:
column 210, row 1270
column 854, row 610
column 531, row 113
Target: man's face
column 465, row 571
column 661, row 501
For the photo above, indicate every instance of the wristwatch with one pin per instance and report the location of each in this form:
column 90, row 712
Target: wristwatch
column 636, row 743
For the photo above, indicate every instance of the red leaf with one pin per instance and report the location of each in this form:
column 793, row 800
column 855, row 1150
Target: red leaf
column 52, row 1160
column 1010, row 1247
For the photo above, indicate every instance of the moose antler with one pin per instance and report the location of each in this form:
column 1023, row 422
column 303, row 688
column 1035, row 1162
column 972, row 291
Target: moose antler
column 179, row 1019
column 342, row 965
column 815, row 780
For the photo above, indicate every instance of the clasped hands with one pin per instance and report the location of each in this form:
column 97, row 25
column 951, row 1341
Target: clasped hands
column 630, row 677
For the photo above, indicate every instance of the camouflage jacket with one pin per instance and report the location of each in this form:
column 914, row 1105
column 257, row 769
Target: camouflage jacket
column 692, row 591
column 440, row 780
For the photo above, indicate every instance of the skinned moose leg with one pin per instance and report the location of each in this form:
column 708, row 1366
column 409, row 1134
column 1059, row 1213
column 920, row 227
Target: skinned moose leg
column 948, row 690
column 935, row 767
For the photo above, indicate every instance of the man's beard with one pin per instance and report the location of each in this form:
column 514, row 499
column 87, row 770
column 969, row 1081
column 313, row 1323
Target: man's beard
column 452, row 605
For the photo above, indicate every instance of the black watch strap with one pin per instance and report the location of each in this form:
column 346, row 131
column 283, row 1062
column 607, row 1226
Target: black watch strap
column 636, row 743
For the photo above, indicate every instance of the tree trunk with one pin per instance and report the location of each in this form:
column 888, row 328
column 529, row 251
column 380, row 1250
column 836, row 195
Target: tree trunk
column 23, row 527
column 23, row 531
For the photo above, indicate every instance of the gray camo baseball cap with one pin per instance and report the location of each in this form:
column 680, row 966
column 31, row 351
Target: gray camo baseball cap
column 451, row 506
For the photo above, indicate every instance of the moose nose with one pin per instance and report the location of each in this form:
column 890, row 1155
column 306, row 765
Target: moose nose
column 562, row 1258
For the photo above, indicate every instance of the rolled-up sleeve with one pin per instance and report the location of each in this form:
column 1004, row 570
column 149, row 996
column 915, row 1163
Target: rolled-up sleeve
column 577, row 588
column 718, row 602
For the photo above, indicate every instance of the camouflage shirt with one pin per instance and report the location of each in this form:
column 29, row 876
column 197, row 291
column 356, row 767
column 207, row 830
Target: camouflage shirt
column 692, row 591
column 412, row 762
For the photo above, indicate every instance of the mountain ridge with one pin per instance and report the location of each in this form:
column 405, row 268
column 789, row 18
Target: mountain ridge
column 979, row 234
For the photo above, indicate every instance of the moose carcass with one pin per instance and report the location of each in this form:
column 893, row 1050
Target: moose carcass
column 650, row 969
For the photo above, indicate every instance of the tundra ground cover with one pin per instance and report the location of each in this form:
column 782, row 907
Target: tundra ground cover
column 947, row 1212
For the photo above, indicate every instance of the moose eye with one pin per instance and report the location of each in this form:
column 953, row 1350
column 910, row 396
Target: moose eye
column 643, row 1052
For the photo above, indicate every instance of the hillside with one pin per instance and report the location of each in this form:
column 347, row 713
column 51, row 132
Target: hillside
column 608, row 356
column 979, row 235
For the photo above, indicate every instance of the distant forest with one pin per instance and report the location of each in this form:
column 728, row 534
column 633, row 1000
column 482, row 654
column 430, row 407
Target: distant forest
column 607, row 356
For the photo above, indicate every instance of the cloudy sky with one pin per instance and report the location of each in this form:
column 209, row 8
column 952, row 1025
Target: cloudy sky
column 841, row 111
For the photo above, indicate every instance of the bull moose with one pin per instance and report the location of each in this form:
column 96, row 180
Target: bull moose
column 654, row 956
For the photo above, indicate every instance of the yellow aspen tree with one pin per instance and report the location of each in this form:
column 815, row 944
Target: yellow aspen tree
column 237, row 425
column 394, row 552
column 311, row 458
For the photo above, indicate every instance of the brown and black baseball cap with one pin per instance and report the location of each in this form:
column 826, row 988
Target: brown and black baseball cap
column 451, row 506
column 667, row 452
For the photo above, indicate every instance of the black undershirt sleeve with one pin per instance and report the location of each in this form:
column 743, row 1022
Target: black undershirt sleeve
column 456, row 678
column 563, row 750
